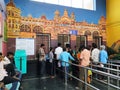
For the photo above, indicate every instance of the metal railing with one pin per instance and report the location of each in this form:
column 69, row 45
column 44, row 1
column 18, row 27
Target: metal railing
column 108, row 74
column 113, row 69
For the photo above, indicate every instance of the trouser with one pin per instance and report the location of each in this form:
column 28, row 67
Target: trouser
column 82, row 77
column 15, row 84
column 104, row 70
column 95, row 75
column 19, row 75
column 66, row 70
column 58, row 68
column 8, row 79
column 52, row 70
column 42, row 67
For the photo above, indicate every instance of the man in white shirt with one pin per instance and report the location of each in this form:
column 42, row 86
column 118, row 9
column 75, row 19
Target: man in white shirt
column 58, row 51
column 95, row 53
column 95, row 57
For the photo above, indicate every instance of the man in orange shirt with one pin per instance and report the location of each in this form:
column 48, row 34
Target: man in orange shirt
column 84, row 62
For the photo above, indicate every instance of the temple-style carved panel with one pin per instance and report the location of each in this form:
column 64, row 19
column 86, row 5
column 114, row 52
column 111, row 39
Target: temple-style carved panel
column 25, row 28
column 37, row 29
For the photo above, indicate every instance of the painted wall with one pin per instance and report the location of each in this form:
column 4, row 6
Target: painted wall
column 30, row 13
column 113, row 23
column 37, row 9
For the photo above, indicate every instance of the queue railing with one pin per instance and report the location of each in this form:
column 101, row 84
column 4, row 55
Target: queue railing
column 108, row 74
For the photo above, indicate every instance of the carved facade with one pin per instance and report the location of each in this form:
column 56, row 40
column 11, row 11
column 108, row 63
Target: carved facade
column 29, row 27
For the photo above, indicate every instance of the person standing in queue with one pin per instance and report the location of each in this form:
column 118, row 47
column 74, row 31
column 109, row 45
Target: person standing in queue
column 51, row 60
column 42, row 59
column 95, row 57
column 103, row 59
column 65, row 57
column 84, row 62
column 58, row 51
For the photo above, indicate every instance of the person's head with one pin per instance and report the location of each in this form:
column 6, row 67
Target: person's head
column 10, row 55
column 82, row 47
column 94, row 45
column 102, row 47
column 51, row 49
column 79, row 50
column 0, row 54
column 1, row 57
column 64, row 49
column 59, row 44
column 42, row 45
column 68, row 46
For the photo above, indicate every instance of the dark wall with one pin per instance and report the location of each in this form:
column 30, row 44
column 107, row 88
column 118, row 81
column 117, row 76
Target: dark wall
column 11, row 45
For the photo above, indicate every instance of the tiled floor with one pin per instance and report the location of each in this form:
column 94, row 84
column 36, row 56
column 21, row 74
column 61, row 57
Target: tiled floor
column 33, row 82
column 45, row 83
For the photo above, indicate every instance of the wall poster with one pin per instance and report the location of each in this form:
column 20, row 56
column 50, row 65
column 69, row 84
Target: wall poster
column 25, row 44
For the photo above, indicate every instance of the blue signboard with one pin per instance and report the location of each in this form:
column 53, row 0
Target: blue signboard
column 73, row 32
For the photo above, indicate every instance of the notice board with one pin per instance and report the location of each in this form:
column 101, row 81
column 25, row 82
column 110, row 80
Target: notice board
column 25, row 44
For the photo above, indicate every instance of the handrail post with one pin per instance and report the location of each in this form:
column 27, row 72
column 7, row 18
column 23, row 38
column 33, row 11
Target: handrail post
column 108, row 81
column 54, row 67
column 117, row 75
column 65, row 74
column 85, row 78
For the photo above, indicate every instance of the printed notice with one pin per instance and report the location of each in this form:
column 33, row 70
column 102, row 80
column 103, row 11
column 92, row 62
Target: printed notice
column 25, row 44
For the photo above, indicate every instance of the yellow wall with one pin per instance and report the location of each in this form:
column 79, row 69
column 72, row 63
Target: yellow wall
column 113, row 21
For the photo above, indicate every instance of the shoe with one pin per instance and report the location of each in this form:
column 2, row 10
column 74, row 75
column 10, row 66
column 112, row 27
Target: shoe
column 20, row 88
column 52, row 76
column 44, row 88
column 105, row 80
column 77, row 88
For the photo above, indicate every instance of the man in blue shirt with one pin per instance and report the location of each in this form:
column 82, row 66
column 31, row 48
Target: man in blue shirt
column 103, row 55
column 65, row 57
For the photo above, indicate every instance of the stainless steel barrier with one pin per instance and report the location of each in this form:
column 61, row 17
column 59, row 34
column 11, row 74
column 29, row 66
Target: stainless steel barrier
column 108, row 74
column 113, row 73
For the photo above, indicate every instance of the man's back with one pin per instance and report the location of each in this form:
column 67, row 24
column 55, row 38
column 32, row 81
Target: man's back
column 58, row 51
column 95, row 54
column 85, row 57
column 103, row 56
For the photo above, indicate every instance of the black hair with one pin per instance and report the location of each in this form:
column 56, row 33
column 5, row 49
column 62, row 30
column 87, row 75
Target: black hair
column 68, row 46
column 51, row 48
column 94, row 45
column 82, row 47
column 42, row 45
column 64, row 49
column 59, row 44
column 10, row 53
column 0, row 53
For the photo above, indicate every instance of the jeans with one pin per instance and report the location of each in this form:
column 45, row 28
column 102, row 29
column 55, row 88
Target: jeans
column 16, row 84
column 19, row 73
column 42, row 67
column 66, row 69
